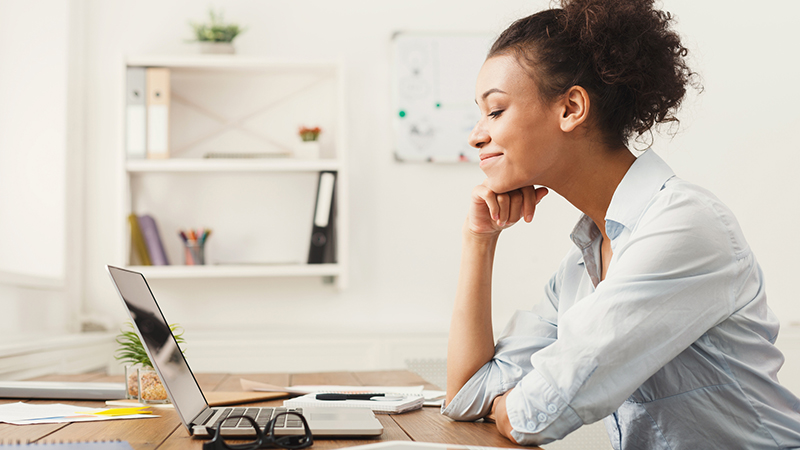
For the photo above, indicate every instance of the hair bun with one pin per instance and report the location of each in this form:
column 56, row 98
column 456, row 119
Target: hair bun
column 631, row 44
column 624, row 52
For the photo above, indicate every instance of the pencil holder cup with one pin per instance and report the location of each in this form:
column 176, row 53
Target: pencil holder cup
column 194, row 254
column 132, row 382
column 151, row 390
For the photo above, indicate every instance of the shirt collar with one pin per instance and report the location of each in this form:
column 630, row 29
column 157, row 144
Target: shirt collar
column 644, row 179
column 584, row 234
column 646, row 176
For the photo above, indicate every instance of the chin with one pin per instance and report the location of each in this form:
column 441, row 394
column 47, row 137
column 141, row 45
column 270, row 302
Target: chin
column 500, row 186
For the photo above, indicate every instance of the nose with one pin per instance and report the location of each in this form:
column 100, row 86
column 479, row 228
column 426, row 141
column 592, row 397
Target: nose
column 479, row 136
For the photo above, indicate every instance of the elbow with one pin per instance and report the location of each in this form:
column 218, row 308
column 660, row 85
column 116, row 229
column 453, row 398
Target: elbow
column 459, row 413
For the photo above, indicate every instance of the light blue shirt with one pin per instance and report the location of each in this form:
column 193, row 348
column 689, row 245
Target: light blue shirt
column 674, row 349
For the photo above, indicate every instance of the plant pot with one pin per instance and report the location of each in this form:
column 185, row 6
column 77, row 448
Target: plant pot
column 151, row 390
column 132, row 382
column 307, row 150
column 217, row 48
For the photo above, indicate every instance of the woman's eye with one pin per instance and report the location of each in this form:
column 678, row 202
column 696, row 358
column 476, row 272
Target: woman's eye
column 495, row 114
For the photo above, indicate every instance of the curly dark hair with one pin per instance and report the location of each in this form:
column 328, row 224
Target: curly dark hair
column 623, row 52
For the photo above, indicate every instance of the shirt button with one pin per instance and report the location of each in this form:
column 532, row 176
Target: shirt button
column 532, row 425
column 541, row 417
column 551, row 408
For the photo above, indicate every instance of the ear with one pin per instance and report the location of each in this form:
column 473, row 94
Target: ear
column 574, row 108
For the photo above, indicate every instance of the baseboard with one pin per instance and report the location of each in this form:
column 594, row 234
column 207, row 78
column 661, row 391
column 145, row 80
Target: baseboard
column 37, row 356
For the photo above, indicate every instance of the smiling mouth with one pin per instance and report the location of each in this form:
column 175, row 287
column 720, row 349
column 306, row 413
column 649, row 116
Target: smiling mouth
column 487, row 156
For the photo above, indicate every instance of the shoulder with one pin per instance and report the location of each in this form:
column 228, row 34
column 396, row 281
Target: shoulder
column 694, row 214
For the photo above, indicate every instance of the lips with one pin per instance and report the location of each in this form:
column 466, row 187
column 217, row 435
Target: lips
column 485, row 156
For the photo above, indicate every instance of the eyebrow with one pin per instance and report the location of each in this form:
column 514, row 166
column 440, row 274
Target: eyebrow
column 490, row 92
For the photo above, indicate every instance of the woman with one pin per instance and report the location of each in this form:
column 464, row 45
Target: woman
column 657, row 320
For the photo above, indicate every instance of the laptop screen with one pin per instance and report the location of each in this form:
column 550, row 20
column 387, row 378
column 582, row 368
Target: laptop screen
column 159, row 343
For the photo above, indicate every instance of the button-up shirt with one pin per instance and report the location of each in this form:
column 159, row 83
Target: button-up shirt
column 674, row 349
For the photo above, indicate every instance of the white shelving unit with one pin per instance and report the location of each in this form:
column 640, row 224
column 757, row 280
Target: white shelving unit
column 260, row 209
column 231, row 165
column 240, row 271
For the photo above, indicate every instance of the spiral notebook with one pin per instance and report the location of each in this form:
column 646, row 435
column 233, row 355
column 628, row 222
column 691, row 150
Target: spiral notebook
column 96, row 445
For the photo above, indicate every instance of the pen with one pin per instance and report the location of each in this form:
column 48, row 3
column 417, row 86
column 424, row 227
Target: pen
column 348, row 396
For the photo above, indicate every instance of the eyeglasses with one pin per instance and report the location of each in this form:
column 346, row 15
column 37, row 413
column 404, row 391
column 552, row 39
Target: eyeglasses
column 264, row 438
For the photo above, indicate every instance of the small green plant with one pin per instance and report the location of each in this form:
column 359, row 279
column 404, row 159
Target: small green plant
column 216, row 30
column 131, row 351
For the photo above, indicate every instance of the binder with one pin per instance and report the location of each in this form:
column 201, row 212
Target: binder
column 152, row 239
column 323, row 233
column 157, row 85
column 138, row 248
column 136, row 114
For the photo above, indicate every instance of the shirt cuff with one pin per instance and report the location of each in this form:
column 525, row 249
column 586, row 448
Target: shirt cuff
column 537, row 413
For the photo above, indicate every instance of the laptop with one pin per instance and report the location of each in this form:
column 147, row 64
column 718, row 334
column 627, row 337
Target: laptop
column 185, row 394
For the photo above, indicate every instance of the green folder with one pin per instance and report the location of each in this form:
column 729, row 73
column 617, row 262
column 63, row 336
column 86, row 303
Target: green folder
column 138, row 247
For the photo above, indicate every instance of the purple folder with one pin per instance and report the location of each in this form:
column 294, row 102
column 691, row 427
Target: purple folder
column 158, row 257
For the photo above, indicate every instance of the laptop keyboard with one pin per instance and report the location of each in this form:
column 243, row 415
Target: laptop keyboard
column 261, row 416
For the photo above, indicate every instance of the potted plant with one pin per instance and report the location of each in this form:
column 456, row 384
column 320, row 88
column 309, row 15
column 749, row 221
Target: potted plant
column 308, row 147
column 141, row 380
column 216, row 36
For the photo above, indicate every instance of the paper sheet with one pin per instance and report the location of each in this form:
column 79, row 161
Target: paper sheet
column 25, row 414
column 432, row 398
column 250, row 385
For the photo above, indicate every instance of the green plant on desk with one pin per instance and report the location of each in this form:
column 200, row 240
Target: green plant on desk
column 141, row 380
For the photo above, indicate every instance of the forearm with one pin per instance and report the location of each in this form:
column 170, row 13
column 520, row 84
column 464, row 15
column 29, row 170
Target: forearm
column 471, row 340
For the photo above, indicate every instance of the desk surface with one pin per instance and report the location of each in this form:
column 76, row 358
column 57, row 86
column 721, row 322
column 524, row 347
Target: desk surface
column 167, row 432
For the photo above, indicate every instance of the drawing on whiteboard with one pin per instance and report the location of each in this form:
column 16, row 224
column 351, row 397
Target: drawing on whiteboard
column 421, row 134
column 433, row 93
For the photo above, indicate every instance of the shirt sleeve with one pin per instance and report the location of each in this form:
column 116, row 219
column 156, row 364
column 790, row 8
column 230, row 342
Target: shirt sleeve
column 526, row 333
column 669, row 283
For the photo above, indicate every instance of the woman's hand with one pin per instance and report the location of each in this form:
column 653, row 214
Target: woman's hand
column 490, row 213
column 499, row 415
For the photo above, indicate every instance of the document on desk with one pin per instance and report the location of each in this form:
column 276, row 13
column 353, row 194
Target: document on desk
column 26, row 414
column 432, row 398
column 380, row 403
column 414, row 445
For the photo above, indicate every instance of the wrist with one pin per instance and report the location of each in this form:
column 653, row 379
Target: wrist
column 470, row 236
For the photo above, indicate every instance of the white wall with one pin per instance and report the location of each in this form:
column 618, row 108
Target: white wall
column 40, row 132
column 33, row 138
column 737, row 139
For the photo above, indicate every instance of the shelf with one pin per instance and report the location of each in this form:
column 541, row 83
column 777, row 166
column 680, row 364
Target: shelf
column 226, row 62
column 239, row 271
column 231, row 165
column 241, row 105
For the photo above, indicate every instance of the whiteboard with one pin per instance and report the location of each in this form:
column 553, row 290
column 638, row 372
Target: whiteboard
column 433, row 94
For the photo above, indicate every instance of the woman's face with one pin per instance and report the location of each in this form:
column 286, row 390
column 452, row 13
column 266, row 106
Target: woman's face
column 518, row 135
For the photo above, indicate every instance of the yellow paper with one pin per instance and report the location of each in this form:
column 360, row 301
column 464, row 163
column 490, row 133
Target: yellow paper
column 119, row 411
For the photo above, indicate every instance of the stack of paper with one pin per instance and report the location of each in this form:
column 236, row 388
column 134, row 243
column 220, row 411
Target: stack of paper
column 410, row 397
column 26, row 414
column 400, row 403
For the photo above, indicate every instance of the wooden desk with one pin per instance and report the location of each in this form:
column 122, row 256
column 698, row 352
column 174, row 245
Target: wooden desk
column 167, row 432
